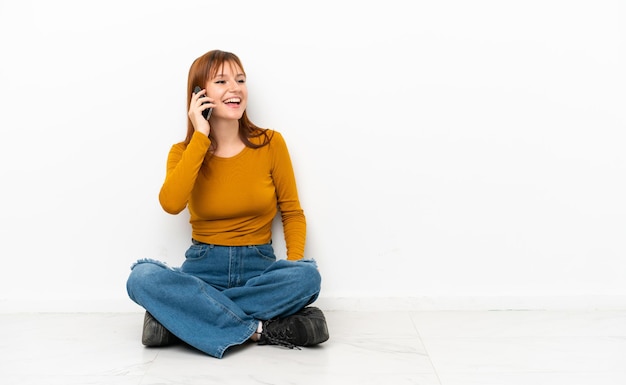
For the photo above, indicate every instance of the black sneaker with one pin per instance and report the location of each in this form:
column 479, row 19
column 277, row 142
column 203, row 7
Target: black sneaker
column 305, row 328
column 155, row 334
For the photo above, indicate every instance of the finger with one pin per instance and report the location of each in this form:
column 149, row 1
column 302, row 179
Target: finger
column 204, row 100
column 198, row 95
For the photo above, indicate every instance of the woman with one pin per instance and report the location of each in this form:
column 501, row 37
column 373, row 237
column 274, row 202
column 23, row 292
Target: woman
column 233, row 177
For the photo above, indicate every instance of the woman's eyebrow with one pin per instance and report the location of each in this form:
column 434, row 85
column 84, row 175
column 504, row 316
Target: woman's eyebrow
column 236, row 75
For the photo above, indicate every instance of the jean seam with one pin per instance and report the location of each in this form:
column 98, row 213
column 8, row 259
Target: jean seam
column 227, row 311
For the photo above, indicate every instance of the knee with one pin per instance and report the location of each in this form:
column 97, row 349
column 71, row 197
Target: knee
column 301, row 273
column 143, row 273
column 309, row 280
column 306, row 273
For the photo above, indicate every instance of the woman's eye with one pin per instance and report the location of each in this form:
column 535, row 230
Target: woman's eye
column 241, row 81
column 220, row 82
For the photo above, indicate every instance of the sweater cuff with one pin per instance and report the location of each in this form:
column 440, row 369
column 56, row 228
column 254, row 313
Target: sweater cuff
column 198, row 136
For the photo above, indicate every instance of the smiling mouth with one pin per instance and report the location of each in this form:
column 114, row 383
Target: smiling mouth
column 233, row 101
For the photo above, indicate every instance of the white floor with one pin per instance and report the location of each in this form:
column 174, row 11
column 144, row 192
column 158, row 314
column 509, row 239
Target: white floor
column 387, row 348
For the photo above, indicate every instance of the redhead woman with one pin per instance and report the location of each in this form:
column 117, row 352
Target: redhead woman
column 233, row 177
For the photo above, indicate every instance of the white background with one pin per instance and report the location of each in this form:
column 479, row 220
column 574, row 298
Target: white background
column 447, row 152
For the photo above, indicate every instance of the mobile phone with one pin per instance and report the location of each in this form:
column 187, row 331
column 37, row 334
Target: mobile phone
column 206, row 113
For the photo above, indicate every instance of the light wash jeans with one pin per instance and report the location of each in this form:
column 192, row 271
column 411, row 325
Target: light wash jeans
column 216, row 299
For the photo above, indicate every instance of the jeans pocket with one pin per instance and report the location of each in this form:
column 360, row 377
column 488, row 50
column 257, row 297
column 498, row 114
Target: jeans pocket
column 196, row 252
column 265, row 251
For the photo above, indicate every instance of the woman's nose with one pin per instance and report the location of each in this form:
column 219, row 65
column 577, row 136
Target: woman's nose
column 234, row 86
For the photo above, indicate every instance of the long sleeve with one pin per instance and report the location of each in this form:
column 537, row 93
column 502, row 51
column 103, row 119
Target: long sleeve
column 293, row 219
column 183, row 164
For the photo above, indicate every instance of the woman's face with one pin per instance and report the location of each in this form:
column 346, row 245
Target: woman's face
column 228, row 92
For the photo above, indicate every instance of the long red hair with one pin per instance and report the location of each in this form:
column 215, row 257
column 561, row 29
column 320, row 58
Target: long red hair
column 205, row 68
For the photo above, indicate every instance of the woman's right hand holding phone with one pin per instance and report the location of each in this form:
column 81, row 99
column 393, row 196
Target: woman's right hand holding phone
column 199, row 103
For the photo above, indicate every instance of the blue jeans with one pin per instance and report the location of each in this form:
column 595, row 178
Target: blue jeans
column 216, row 299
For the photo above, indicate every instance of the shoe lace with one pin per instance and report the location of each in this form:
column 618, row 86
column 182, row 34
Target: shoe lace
column 278, row 337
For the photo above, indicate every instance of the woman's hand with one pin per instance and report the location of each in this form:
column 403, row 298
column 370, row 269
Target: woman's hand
column 199, row 102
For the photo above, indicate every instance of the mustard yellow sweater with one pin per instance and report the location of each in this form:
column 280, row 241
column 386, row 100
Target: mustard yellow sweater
column 233, row 201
